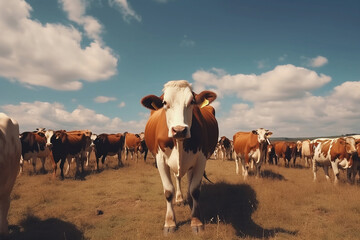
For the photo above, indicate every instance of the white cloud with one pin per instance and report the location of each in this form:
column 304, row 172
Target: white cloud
column 49, row 55
column 54, row 116
column 76, row 13
column 283, row 82
column 281, row 100
column 125, row 9
column 319, row 61
column 104, row 99
column 121, row 105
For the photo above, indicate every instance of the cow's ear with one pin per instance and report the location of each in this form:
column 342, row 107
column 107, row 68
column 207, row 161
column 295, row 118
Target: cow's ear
column 254, row 132
column 205, row 98
column 152, row 102
column 269, row 134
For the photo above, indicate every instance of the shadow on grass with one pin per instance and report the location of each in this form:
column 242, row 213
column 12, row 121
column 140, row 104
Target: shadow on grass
column 234, row 204
column 271, row 175
column 32, row 228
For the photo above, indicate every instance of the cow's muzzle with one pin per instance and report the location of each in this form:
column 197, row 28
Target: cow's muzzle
column 179, row 131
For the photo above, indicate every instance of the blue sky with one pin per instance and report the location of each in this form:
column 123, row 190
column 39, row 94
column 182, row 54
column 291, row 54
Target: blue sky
column 289, row 66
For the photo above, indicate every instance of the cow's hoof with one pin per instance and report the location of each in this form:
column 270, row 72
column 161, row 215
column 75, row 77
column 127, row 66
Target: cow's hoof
column 169, row 230
column 197, row 229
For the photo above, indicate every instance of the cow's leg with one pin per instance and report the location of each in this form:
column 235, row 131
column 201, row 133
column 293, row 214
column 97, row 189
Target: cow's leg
column 97, row 163
column 334, row 165
column 237, row 164
column 43, row 164
column 62, row 162
column 120, row 163
column 68, row 159
column 314, row 169
column 326, row 171
column 21, row 165
column 145, row 154
column 164, row 171
column 33, row 161
column 54, row 165
column 194, row 176
column 245, row 168
column 179, row 197
column 4, row 208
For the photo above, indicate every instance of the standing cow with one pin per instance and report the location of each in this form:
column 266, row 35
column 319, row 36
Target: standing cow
column 225, row 147
column 132, row 145
column 109, row 145
column 182, row 134
column 251, row 146
column 336, row 153
column 10, row 152
column 307, row 152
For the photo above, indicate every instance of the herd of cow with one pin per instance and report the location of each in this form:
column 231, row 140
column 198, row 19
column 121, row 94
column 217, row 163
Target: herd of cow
column 181, row 133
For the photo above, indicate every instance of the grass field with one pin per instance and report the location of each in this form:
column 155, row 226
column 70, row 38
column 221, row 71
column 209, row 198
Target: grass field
column 128, row 203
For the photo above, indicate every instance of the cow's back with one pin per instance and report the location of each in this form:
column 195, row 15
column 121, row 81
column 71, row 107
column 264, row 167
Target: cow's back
column 132, row 140
column 244, row 141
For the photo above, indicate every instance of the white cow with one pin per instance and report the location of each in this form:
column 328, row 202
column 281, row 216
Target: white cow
column 10, row 152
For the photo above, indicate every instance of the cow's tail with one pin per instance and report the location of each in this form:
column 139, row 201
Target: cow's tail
column 205, row 176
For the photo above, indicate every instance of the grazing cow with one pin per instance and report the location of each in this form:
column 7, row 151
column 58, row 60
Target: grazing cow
column 336, row 152
column 109, row 145
column 33, row 145
column 66, row 146
column 307, row 152
column 10, row 153
column 182, row 134
column 225, row 148
column 143, row 149
column 132, row 145
column 251, row 146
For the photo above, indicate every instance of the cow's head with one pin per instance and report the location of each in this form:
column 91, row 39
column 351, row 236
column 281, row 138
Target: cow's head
column 178, row 102
column 262, row 135
column 350, row 145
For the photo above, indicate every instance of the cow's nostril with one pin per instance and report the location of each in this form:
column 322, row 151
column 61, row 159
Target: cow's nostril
column 179, row 131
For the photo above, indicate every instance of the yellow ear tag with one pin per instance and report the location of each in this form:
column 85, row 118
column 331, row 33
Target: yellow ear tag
column 154, row 106
column 204, row 103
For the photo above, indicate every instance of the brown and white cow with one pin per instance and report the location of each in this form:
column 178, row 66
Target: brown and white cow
column 251, row 146
column 132, row 145
column 34, row 146
column 109, row 145
column 143, row 149
column 181, row 133
column 307, row 152
column 355, row 169
column 225, row 147
column 335, row 152
column 67, row 146
column 10, row 153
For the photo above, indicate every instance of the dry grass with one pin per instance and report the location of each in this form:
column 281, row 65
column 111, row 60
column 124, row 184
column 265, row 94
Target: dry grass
column 128, row 203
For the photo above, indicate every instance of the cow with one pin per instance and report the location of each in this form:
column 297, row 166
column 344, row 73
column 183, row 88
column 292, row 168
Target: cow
column 293, row 152
column 34, row 145
column 355, row 169
column 251, row 146
column 66, row 146
column 109, row 145
column 88, row 134
column 282, row 150
column 143, row 149
column 271, row 156
column 225, row 147
column 181, row 133
column 10, row 153
column 132, row 145
column 307, row 152
column 335, row 152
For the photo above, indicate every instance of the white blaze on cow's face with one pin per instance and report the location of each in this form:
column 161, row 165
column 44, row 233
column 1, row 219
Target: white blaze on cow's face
column 262, row 135
column 178, row 104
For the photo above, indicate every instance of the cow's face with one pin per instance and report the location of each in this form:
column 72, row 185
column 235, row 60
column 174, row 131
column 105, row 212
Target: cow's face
column 178, row 102
column 262, row 135
column 350, row 145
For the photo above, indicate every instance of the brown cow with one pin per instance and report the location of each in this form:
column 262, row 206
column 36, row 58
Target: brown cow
column 109, row 145
column 251, row 146
column 132, row 145
column 65, row 146
column 10, row 152
column 182, row 134
column 282, row 150
column 33, row 145
column 335, row 152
